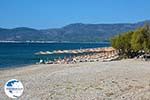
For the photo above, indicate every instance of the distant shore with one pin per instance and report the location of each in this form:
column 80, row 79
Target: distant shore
column 49, row 42
column 115, row 80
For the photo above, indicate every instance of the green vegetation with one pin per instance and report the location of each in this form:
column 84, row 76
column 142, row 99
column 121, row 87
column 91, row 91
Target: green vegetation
column 133, row 43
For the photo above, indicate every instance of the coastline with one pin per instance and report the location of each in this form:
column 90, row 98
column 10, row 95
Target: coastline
column 16, row 66
column 50, row 42
column 116, row 80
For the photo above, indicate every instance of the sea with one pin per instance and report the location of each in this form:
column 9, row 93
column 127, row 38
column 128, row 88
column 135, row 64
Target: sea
column 22, row 54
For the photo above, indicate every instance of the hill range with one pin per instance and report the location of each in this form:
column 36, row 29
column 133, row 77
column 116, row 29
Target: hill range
column 77, row 32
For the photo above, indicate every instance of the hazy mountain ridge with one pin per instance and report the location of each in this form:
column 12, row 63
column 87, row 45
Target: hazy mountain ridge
column 77, row 32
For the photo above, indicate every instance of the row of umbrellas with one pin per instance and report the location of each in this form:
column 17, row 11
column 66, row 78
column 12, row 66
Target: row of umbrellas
column 77, row 51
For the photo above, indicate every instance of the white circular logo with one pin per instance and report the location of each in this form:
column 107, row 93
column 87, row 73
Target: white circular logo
column 13, row 88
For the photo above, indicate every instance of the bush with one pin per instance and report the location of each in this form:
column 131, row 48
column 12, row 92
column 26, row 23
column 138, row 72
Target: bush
column 133, row 43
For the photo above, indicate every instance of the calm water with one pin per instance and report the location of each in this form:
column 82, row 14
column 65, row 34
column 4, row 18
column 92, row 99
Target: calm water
column 19, row 54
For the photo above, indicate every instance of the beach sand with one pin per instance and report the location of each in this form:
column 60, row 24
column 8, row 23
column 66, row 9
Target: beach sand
column 116, row 80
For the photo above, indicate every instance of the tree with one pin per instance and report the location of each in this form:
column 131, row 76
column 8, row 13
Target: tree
column 122, row 43
column 146, row 43
column 127, row 43
column 131, row 43
column 138, row 39
column 141, row 39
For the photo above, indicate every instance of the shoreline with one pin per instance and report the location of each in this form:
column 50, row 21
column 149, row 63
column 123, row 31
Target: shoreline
column 115, row 80
column 17, row 66
column 51, row 42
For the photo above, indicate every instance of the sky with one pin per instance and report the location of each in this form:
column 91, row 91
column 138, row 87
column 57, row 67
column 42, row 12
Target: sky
column 43, row 14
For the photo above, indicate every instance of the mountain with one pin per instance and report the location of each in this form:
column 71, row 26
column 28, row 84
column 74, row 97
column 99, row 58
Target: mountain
column 77, row 32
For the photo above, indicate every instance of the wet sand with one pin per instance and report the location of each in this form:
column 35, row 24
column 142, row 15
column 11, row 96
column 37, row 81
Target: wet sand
column 115, row 80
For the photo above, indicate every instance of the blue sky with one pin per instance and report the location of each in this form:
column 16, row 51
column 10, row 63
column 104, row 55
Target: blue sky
column 42, row 14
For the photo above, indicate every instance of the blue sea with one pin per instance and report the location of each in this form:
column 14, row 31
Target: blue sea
column 21, row 54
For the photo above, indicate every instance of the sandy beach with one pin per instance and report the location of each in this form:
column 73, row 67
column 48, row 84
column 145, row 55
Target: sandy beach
column 115, row 80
